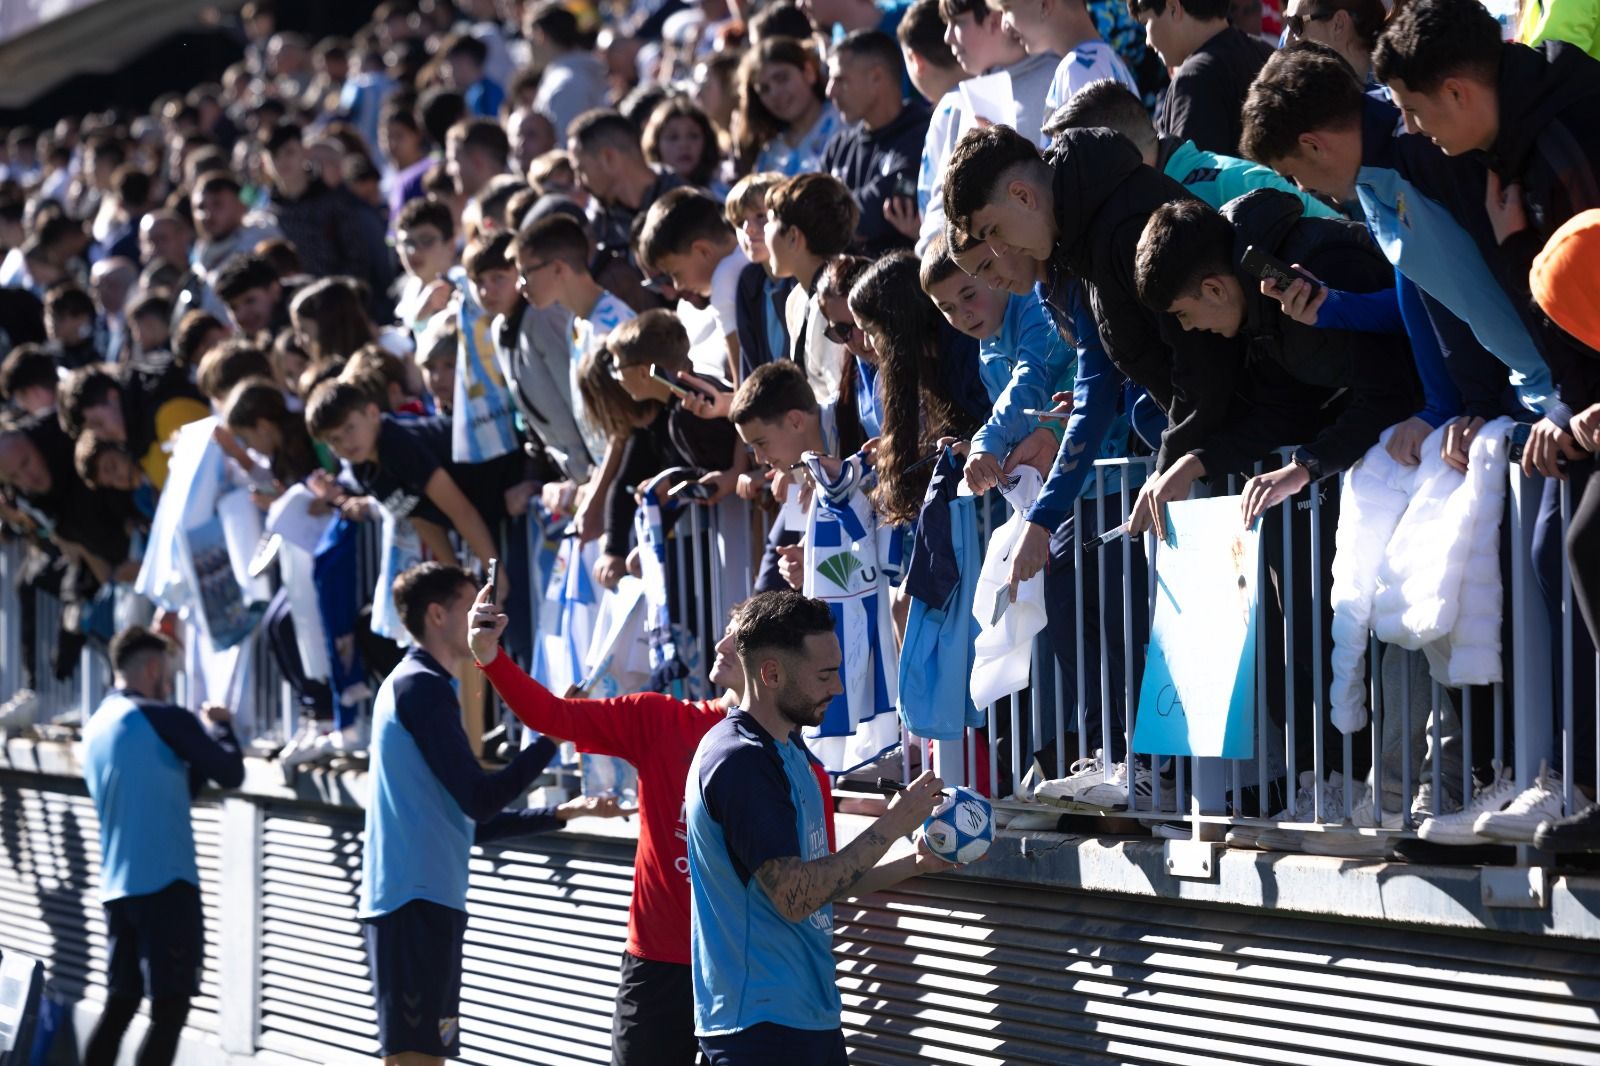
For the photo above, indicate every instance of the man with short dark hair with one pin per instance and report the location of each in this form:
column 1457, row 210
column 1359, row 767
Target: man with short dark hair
column 1083, row 211
column 762, row 875
column 609, row 158
column 430, row 802
column 144, row 760
column 1212, row 66
column 878, row 154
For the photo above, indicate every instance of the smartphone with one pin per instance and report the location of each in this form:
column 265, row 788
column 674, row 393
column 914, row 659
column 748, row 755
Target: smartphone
column 1002, row 600
column 1059, row 416
column 494, row 572
column 1269, row 267
column 673, row 385
column 905, row 186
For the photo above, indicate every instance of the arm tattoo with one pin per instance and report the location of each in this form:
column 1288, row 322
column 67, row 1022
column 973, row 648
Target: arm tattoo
column 798, row 888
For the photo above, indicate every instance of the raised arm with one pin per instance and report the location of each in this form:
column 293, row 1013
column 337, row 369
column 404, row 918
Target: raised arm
column 797, row 888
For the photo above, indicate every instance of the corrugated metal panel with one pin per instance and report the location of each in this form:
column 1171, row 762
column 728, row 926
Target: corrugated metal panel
column 546, row 933
column 973, row 973
column 50, row 884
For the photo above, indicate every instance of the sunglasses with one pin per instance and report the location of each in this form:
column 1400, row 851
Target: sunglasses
column 1296, row 23
column 840, row 332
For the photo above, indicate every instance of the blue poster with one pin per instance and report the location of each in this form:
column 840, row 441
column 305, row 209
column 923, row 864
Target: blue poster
column 1198, row 695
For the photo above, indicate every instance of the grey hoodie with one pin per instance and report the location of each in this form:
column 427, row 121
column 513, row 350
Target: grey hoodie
column 572, row 84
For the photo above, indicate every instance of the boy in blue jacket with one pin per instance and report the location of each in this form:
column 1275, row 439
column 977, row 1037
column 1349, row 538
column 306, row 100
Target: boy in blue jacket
column 1023, row 362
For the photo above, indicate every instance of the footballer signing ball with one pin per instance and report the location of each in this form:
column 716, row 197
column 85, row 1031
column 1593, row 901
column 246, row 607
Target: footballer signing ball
column 961, row 828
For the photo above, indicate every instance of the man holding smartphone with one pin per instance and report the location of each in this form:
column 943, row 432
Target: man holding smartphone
column 878, row 155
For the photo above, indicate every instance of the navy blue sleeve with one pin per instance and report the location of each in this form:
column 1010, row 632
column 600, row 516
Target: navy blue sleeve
column 426, row 705
column 526, row 822
column 1441, row 401
column 214, row 757
column 747, row 793
column 1094, row 409
column 1481, row 380
column 1361, row 312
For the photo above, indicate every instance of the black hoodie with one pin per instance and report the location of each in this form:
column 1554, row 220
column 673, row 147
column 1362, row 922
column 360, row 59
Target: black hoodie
column 1549, row 142
column 1332, row 390
column 1104, row 195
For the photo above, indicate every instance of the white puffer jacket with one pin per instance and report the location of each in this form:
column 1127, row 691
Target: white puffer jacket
column 1417, row 562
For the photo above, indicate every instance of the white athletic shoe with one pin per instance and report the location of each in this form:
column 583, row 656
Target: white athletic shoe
column 1520, row 819
column 1111, row 794
column 21, row 710
column 1460, row 828
column 1085, row 773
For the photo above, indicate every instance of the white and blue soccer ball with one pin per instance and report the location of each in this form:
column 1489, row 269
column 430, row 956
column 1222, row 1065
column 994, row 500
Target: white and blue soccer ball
column 961, row 828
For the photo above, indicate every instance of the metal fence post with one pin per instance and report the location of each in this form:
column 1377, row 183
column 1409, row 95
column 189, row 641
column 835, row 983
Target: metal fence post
column 239, row 927
column 1530, row 634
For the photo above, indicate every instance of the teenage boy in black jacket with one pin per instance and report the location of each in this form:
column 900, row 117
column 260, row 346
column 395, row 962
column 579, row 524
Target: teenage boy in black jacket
column 1330, row 390
column 1212, row 66
column 1084, row 210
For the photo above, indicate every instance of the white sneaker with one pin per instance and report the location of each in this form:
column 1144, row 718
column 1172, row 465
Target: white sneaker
column 1084, row 773
column 1303, row 808
column 1520, row 819
column 21, row 710
column 1112, row 793
column 318, row 747
column 1459, row 828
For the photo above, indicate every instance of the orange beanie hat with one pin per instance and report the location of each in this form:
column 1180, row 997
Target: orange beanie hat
column 1566, row 277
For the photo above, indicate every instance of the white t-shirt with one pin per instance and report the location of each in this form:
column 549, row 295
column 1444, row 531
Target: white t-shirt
column 943, row 130
column 725, row 289
column 1089, row 61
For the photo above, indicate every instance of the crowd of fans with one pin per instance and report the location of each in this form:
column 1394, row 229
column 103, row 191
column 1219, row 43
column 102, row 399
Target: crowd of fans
column 500, row 277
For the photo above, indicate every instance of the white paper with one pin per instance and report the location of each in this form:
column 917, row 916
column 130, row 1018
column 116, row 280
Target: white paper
column 990, row 98
column 290, row 517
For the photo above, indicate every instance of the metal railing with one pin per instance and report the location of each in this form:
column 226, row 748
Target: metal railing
column 1419, row 732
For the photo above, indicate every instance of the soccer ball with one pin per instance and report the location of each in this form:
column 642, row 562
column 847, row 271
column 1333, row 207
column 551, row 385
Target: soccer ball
column 961, row 828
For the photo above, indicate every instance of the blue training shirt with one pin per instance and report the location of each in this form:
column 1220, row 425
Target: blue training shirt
column 751, row 799
column 144, row 761
column 430, row 799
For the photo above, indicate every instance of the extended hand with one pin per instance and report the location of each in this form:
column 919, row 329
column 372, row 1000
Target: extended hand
column 791, row 565
column 1585, row 426
column 1405, row 442
column 1265, row 491
column 1029, row 555
column 1504, row 206
column 982, row 472
column 1458, row 442
column 1149, row 510
column 485, row 623
column 594, row 807
column 908, row 809
column 1547, row 444
column 1301, row 300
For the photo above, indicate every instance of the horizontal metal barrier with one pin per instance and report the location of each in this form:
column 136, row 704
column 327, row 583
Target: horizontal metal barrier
column 1079, row 705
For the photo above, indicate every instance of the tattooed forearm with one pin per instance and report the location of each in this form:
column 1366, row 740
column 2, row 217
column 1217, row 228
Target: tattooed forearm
column 798, row 888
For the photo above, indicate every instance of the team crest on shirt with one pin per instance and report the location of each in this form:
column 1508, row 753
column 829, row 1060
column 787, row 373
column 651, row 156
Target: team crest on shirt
column 1402, row 211
column 449, row 1029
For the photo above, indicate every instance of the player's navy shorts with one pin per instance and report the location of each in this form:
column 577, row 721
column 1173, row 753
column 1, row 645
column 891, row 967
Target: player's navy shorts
column 415, row 957
column 156, row 943
column 767, row 1043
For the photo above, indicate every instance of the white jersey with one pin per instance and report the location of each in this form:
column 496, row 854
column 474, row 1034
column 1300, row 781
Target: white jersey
column 1086, row 62
column 587, row 335
column 849, row 560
